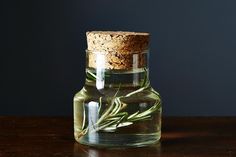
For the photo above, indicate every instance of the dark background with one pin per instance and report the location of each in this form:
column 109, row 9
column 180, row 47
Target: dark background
column 192, row 63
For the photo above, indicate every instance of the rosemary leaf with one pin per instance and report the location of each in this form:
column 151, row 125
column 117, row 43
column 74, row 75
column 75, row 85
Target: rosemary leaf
column 140, row 118
column 91, row 75
column 133, row 115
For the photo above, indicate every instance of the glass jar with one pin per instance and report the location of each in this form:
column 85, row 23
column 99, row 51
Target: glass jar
column 117, row 107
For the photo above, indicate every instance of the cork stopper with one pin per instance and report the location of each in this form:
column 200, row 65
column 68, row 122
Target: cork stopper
column 119, row 48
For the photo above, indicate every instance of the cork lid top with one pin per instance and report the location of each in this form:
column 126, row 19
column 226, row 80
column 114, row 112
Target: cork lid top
column 117, row 41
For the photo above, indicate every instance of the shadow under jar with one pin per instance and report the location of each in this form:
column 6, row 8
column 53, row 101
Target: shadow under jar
column 117, row 107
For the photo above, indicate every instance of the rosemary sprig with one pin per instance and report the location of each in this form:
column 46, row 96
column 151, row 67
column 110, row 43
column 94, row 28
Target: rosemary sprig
column 90, row 76
column 114, row 116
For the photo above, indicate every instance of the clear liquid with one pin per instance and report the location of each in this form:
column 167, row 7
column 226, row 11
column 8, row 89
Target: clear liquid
column 99, row 121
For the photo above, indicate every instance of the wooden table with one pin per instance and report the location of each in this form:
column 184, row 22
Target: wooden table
column 53, row 136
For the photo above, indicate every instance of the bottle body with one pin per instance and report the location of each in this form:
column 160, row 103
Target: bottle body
column 117, row 108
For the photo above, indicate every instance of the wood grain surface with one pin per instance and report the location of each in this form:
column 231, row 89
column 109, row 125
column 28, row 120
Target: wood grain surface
column 181, row 137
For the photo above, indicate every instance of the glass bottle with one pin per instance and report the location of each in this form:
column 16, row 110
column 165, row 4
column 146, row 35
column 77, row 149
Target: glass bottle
column 117, row 107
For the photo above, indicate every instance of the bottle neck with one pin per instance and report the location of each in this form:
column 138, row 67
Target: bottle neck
column 103, row 70
column 110, row 78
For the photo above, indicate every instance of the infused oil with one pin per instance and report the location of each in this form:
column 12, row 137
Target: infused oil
column 117, row 107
